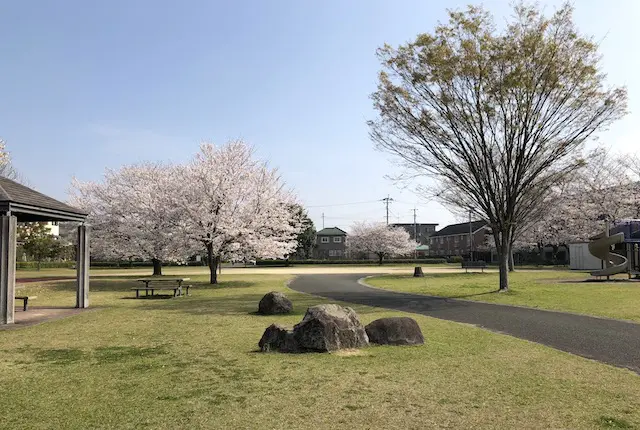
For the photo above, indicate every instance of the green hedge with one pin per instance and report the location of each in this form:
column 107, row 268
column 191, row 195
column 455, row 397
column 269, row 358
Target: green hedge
column 33, row 265
column 285, row 263
column 135, row 264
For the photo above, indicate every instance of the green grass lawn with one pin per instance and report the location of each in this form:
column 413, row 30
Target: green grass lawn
column 547, row 289
column 192, row 363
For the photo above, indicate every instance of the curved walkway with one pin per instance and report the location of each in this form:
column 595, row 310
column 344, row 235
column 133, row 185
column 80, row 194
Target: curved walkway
column 610, row 341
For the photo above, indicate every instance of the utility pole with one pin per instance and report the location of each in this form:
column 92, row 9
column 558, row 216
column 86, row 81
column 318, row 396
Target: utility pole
column 387, row 200
column 323, row 220
column 415, row 225
column 415, row 233
column 470, row 238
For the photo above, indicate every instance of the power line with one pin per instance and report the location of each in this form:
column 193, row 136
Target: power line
column 342, row 204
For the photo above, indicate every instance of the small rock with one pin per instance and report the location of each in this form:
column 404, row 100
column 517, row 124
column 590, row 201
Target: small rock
column 395, row 331
column 275, row 303
column 329, row 328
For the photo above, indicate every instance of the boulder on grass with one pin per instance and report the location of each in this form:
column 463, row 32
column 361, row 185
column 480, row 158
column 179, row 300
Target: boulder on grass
column 274, row 338
column 274, row 303
column 329, row 328
column 395, row 331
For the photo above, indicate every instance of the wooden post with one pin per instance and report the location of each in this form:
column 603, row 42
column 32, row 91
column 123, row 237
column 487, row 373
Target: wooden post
column 82, row 267
column 8, row 227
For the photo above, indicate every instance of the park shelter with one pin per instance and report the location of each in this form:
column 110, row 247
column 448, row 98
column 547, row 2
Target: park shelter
column 19, row 203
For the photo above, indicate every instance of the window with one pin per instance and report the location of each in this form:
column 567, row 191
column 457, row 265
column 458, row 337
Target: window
column 337, row 239
column 324, row 239
column 332, row 253
column 441, row 239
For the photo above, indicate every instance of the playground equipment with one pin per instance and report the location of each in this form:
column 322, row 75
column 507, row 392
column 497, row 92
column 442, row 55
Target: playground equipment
column 600, row 247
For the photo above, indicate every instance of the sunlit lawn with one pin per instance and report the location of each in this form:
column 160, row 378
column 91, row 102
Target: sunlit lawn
column 549, row 289
column 191, row 363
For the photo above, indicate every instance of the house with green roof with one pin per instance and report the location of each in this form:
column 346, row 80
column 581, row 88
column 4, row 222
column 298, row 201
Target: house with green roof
column 330, row 244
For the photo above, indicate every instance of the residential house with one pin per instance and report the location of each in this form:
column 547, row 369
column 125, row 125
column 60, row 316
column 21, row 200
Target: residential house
column 330, row 243
column 454, row 239
column 423, row 231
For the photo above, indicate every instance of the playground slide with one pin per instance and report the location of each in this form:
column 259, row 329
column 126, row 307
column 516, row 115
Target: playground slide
column 600, row 248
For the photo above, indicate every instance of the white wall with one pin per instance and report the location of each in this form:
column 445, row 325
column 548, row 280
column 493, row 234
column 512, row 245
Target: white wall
column 581, row 259
column 54, row 228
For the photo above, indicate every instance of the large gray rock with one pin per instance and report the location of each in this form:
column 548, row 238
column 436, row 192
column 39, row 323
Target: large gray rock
column 329, row 328
column 395, row 331
column 275, row 303
column 274, row 338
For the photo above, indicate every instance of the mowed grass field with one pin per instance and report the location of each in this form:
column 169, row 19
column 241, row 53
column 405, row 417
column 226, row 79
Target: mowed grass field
column 546, row 289
column 192, row 363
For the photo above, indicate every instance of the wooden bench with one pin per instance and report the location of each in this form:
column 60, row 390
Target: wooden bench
column 25, row 301
column 174, row 284
column 177, row 291
column 474, row 265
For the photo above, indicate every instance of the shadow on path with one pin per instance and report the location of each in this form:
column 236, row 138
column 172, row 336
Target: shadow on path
column 610, row 341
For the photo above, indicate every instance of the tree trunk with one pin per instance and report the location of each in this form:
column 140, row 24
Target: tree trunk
column 157, row 267
column 212, row 262
column 504, row 271
column 38, row 264
column 220, row 267
column 504, row 250
column 511, row 262
column 380, row 257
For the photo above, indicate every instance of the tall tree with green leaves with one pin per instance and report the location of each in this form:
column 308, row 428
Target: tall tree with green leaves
column 495, row 116
column 306, row 239
column 38, row 242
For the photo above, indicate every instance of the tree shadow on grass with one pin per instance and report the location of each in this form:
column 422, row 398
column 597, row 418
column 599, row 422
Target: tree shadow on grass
column 119, row 284
column 463, row 296
column 245, row 305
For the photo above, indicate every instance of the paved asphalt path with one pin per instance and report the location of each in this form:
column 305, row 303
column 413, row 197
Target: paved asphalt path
column 610, row 341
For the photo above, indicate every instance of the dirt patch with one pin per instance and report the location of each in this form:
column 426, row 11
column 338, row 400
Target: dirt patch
column 349, row 352
column 38, row 315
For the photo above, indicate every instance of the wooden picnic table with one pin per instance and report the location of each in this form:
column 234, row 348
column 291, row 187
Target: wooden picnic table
column 174, row 284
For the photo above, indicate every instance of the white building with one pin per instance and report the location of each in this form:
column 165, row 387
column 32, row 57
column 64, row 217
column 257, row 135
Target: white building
column 581, row 259
column 54, row 228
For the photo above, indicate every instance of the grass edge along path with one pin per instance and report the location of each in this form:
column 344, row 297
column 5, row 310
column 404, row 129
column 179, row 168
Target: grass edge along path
column 552, row 290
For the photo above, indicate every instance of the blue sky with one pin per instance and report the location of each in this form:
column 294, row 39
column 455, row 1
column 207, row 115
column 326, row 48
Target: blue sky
column 90, row 85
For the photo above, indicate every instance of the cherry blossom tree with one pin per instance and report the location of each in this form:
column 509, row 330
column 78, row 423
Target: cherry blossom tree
column 380, row 239
column 602, row 189
column 132, row 216
column 235, row 205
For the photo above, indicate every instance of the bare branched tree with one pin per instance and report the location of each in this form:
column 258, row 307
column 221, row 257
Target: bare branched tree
column 6, row 167
column 496, row 118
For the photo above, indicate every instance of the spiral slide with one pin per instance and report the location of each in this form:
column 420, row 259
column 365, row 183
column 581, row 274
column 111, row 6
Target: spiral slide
column 600, row 248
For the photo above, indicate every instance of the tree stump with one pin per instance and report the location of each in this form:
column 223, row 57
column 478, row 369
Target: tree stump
column 417, row 272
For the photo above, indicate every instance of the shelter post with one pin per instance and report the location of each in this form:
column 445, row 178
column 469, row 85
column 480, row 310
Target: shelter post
column 8, row 227
column 82, row 267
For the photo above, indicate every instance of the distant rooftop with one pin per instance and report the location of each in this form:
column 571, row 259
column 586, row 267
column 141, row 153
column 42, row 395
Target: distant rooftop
column 462, row 228
column 29, row 205
column 331, row 231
